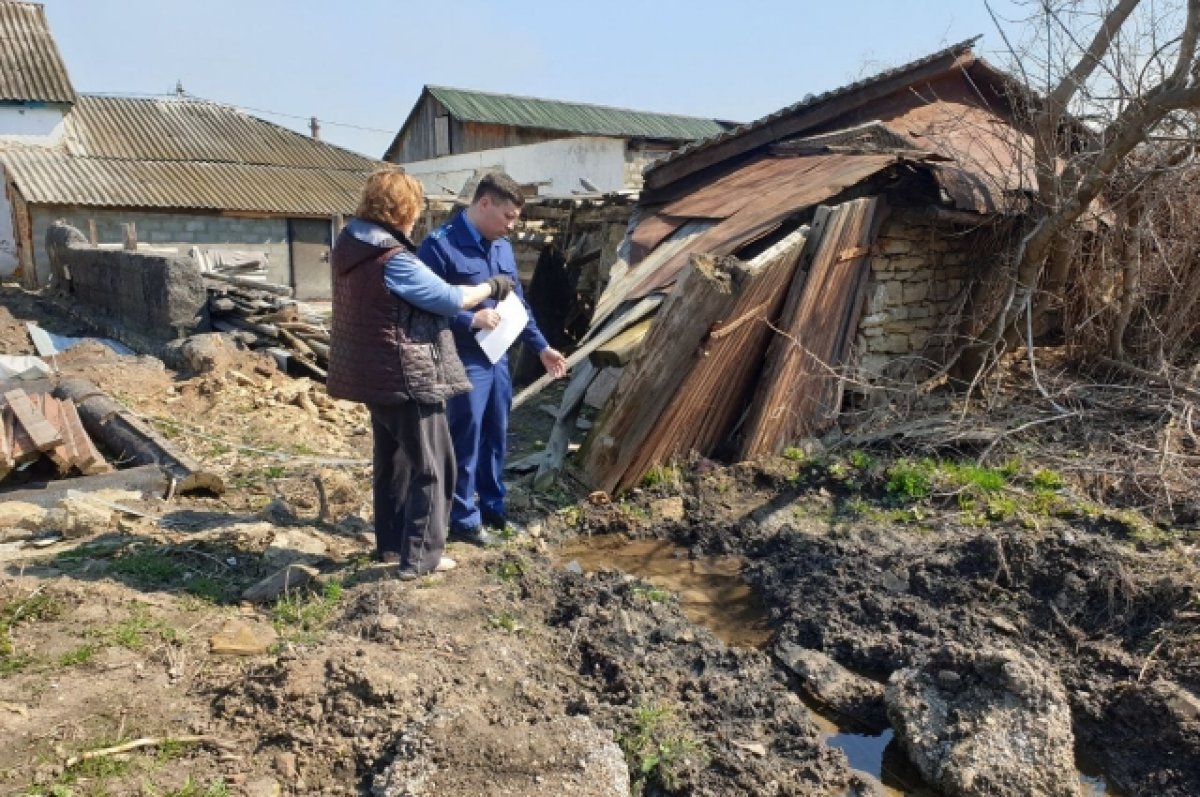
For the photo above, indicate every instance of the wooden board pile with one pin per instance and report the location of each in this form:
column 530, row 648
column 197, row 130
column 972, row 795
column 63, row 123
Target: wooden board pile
column 263, row 316
column 37, row 425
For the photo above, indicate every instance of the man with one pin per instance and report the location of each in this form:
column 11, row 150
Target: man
column 391, row 350
column 469, row 249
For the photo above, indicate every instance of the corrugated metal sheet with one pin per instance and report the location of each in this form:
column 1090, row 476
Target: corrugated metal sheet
column 571, row 117
column 31, row 68
column 194, row 130
column 187, row 154
column 778, row 187
column 57, row 178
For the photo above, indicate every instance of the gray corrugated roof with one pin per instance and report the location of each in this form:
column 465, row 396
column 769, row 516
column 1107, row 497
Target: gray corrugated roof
column 187, row 154
column 689, row 150
column 571, row 117
column 194, row 130
column 56, row 178
column 31, row 68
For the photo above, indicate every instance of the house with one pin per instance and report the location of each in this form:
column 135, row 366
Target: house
column 555, row 148
column 810, row 261
column 185, row 172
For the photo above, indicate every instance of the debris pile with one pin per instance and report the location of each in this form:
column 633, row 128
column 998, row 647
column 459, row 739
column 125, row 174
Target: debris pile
column 36, row 426
column 264, row 317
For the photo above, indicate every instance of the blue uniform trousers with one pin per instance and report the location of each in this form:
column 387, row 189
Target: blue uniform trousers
column 479, row 429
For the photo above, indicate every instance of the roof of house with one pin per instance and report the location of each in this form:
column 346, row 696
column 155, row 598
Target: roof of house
column 568, row 117
column 775, row 126
column 31, row 68
column 184, row 153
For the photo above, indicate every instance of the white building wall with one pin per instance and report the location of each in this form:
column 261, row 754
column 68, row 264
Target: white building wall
column 31, row 125
column 554, row 166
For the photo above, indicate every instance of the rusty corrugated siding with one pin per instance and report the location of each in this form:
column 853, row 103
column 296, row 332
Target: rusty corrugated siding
column 56, row 178
column 31, row 68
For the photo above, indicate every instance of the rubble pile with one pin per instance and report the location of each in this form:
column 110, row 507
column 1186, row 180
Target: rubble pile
column 264, row 317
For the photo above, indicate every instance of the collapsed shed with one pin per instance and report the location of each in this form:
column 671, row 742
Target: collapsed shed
column 837, row 239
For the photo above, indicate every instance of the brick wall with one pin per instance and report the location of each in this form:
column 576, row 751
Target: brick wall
column 172, row 230
column 917, row 273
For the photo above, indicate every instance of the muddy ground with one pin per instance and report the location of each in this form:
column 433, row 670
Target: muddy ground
column 515, row 674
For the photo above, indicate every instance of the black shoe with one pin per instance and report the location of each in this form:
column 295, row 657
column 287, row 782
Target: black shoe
column 474, row 536
column 502, row 526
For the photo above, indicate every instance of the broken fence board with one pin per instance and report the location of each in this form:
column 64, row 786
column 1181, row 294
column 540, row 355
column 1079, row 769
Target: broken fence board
column 61, row 454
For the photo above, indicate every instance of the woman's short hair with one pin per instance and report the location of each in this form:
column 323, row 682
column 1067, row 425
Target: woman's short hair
column 392, row 197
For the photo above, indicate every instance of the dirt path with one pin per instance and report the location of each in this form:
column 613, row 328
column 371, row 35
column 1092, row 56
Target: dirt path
column 515, row 675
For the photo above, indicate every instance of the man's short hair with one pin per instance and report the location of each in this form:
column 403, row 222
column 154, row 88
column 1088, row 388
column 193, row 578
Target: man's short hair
column 499, row 186
column 391, row 196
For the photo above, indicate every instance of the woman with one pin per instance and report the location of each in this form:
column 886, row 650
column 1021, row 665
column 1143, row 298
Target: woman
column 391, row 349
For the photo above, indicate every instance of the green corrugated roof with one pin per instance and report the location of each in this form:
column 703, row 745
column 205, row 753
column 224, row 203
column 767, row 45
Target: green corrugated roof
column 572, row 117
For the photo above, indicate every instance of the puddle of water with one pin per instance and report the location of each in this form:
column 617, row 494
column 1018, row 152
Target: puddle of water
column 712, row 594
column 710, row 589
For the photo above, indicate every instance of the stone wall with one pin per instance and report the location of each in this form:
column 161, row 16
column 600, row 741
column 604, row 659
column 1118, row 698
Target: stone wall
column 179, row 231
column 637, row 157
column 142, row 299
column 919, row 267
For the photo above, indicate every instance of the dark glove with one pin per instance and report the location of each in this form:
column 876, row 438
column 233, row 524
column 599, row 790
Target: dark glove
column 501, row 287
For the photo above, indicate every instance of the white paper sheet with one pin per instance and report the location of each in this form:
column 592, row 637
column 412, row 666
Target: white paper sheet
column 513, row 319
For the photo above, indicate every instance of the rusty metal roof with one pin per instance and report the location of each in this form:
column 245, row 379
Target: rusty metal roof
column 187, row 154
column 808, row 103
column 31, row 68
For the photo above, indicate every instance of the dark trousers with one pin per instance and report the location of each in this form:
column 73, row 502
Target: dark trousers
column 413, row 481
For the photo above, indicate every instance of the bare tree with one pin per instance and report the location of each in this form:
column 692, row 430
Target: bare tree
column 1102, row 80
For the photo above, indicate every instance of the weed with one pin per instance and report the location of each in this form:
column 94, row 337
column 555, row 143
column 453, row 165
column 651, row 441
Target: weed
column 571, row 516
column 909, row 481
column 191, row 788
column 80, row 655
column 857, row 507
column 273, row 472
column 652, row 594
column 13, row 663
column 794, row 454
column 662, row 475
column 632, row 511
column 860, row 460
column 149, row 568
column 1047, row 480
column 135, row 632
column 654, row 750
column 207, row 589
column 1000, row 507
column 35, row 607
column 307, row 610
column 505, row 622
column 510, row 570
column 973, row 477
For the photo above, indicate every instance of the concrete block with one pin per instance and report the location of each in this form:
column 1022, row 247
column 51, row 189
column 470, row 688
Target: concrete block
column 915, row 291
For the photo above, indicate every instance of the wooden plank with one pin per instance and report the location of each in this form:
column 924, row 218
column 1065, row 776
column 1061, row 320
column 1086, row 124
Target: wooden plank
column 61, row 454
column 801, row 379
column 40, row 432
column 564, row 424
column 602, row 387
column 618, row 351
column 90, row 461
column 6, row 460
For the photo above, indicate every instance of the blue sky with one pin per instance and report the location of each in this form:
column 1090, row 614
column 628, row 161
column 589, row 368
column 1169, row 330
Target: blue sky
column 363, row 62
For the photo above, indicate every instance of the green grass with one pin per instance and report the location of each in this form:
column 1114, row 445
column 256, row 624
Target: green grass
column 306, row 611
column 36, row 607
column 794, row 454
column 149, row 567
column 191, row 788
column 655, row 750
column 652, row 594
column 135, row 632
column 910, row 481
column 1047, row 480
column 510, row 570
column 505, row 621
column 80, row 655
column 660, row 475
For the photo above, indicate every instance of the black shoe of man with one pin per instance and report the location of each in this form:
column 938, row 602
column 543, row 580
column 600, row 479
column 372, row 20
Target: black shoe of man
column 501, row 525
column 473, row 536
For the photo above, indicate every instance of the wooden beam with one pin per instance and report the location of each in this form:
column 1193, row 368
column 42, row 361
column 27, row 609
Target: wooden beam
column 129, row 231
column 560, row 435
column 618, row 351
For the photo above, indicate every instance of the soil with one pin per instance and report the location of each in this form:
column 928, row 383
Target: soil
column 513, row 674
